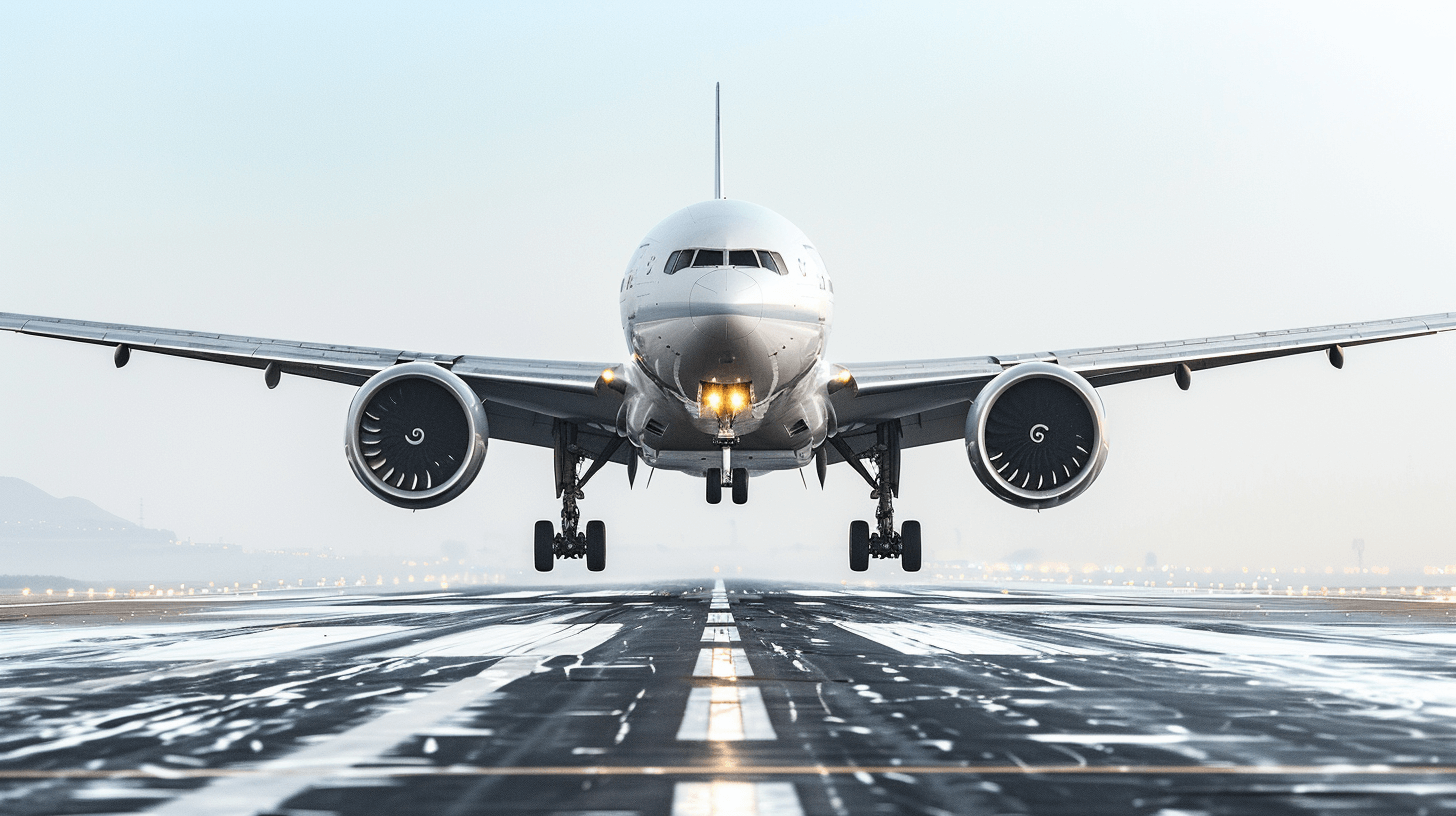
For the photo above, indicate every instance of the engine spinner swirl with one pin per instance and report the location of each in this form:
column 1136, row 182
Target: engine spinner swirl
column 1036, row 435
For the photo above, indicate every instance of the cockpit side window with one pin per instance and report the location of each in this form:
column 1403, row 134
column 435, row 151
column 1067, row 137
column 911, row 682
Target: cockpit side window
column 678, row 260
column 772, row 260
column 742, row 257
column 708, row 257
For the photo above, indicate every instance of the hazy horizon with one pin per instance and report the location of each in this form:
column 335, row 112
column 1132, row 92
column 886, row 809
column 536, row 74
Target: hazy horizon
column 979, row 179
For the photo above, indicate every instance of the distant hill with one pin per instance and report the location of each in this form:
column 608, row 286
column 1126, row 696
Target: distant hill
column 29, row 513
column 43, row 537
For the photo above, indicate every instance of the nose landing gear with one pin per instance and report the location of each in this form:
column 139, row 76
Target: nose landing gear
column 884, row 542
column 571, row 542
column 737, row 478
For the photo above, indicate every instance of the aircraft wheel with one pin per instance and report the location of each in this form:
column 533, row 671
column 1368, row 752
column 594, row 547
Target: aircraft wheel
column 910, row 546
column 545, row 550
column 715, row 485
column 859, row 545
column 596, row 546
column 740, row 486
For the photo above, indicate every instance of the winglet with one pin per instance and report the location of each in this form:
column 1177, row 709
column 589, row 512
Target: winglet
column 718, row 140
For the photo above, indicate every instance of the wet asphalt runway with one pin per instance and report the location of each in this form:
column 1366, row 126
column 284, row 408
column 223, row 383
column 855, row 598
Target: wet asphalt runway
column 755, row 698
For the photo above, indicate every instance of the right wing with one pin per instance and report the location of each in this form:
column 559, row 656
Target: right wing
column 525, row 398
column 930, row 398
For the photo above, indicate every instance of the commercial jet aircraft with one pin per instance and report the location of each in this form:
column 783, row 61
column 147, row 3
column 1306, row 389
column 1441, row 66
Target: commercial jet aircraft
column 726, row 308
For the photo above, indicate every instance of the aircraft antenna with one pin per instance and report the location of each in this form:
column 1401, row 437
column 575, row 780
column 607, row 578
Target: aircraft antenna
column 718, row 140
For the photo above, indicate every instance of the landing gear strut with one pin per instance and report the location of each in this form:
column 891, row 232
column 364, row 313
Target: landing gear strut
column 571, row 542
column 884, row 542
column 737, row 478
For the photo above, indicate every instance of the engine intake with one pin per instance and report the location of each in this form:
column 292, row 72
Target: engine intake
column 416, row 435
column 1036, row 435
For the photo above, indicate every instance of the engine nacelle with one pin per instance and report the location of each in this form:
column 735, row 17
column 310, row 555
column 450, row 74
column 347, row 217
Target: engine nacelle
column 416, row 435
column 1036, row 435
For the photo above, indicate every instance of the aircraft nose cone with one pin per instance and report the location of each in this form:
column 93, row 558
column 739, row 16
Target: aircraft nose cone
column 726, row 303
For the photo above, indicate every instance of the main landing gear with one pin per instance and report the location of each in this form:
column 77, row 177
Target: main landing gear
column 571, row 542
column 884, row 542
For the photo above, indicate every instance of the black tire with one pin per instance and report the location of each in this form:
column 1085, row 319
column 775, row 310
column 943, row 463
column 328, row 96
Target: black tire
column 740, row 486
column 910, row 546
column 859, row 545
column 715, row 485
column 545, row 551
column 596, row 546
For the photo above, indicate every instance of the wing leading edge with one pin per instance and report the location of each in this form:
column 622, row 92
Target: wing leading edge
column 525, row 397
column 931, row 397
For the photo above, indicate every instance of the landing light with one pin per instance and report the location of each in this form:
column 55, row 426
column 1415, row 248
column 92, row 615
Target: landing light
column 713, row 396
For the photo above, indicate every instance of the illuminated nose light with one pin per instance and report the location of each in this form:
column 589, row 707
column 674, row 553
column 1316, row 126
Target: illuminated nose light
column 724, row 399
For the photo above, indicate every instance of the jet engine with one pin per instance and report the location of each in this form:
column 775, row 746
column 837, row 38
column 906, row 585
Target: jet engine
column 1036, row 435
column 416, row 435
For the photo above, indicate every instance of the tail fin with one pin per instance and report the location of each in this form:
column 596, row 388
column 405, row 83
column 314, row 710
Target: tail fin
column 718, row 140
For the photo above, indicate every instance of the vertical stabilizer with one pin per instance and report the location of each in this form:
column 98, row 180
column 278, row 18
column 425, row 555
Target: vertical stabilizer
column 718, row 140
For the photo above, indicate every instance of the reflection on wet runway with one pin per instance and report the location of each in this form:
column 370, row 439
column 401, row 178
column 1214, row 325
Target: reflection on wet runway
column 742, row 698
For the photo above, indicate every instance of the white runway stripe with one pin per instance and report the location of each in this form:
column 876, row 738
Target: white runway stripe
column 721, row 634
column 256, row 645
column 1187, row 639
column 720, row 618
column 735, row 799
column 927, row 639
column 296, row 772
column 513, row 639
column 726, row 714
column 723, row 663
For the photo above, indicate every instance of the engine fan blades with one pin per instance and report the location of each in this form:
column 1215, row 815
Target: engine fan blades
column 414, row 435
column 1039, row 434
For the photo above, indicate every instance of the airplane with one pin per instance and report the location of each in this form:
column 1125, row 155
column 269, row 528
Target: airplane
column 726, row 308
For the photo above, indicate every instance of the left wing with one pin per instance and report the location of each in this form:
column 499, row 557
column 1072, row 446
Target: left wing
column 931, row 397
column 525, row 397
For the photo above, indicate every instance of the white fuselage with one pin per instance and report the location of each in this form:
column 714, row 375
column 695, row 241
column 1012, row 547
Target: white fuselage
column 752, row 316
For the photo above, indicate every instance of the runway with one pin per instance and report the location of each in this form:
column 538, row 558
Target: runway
column 745, row 698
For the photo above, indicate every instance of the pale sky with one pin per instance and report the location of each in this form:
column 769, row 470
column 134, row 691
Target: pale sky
column 980, row 179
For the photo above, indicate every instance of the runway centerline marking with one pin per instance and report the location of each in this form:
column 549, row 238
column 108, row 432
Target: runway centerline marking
column 725, row 714
column 723, row 663
column 721, row 634
column 720, row 618
column 292, row 774
column 720, row 798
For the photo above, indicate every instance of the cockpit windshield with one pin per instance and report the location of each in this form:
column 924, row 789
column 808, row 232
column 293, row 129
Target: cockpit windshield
column 684, row 258
column 709, row 257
